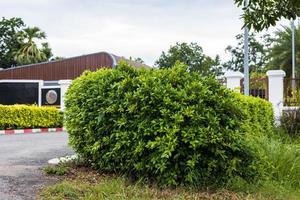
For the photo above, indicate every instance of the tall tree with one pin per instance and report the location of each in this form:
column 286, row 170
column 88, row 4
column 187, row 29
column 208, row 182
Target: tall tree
column 261, row 14
column 29, row 51
column 192, row 55
column 281, row 52
column 259, row 53
column 8, row 41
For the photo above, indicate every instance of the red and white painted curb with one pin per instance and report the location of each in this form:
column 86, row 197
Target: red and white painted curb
column 35, row 130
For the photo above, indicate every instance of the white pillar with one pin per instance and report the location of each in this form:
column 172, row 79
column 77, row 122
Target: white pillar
column 276, row 90
column 233, row 80
column 41, row 84
column 64, row 85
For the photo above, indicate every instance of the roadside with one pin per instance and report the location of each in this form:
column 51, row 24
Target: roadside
column 80, row 182
column 86, row 184
column 22, row 157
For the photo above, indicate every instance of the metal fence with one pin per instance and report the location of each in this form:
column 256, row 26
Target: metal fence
column 258, row 87
column 291, row 92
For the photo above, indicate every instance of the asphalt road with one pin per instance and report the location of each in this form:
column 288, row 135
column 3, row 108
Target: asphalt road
column 21, row 159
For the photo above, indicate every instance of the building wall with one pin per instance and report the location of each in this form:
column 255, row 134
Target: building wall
column 58, row 70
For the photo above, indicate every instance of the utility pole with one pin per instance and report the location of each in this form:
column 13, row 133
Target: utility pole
column 293, row 55
column 246, row 57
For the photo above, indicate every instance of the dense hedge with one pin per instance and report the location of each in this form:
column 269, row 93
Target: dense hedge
column 259, row 115
column 23, row 116
column 169, row 126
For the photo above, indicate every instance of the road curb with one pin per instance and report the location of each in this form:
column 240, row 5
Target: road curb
column 35, row 130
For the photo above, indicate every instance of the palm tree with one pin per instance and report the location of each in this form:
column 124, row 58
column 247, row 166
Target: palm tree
column 29, row 51
column 281, row 52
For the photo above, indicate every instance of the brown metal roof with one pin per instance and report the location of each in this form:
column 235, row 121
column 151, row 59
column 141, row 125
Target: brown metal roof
column 69, row 68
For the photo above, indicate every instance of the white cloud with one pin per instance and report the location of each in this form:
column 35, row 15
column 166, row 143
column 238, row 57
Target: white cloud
column 129, row 27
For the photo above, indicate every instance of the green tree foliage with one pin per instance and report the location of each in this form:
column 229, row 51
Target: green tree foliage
column 165, row 125
column 8, row 40
column 138, row 59
column 191, row 55
column 29, row 51
column 281, row 52
column 19, row 44
column 47, row 51
column 56, row 58
column 258, row 53
column 262, row 14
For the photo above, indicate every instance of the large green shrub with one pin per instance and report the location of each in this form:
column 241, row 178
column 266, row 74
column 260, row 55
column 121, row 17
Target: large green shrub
column 23, row 116
column 167, row 125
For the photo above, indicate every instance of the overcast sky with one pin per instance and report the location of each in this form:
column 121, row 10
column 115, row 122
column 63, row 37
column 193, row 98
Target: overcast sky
column 137, row 28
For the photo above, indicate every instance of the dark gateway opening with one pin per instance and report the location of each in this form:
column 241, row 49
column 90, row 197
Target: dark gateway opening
column 19, row 93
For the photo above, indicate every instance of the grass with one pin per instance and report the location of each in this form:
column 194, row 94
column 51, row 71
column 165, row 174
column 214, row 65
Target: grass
column 86, row 184
column 281, row 169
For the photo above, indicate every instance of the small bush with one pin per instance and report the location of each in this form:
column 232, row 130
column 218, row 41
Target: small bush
column 291, row 96
column 23, row 116
column 59, row 170
column 290, row 122
column 166, row 125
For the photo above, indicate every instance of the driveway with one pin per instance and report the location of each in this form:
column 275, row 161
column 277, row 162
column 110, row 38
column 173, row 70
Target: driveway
column 21, row 158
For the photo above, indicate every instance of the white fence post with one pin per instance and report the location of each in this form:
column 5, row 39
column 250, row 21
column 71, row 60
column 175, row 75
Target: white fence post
column 64, row 85
column 233, row 80
column 276, row 90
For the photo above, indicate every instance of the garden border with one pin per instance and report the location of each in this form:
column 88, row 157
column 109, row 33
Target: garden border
column 28, row 131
